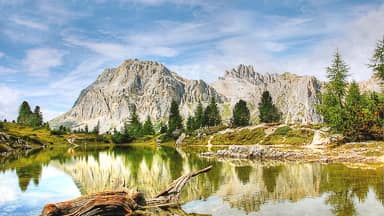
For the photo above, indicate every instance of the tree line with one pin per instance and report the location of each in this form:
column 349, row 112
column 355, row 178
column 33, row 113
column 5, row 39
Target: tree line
column 359, row 116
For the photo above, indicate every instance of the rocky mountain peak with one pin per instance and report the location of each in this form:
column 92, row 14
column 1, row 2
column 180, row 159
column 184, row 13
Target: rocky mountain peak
column 147, row 86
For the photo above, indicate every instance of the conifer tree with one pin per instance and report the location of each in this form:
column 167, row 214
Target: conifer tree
column 268, row 112
column 134, row 125
column 241, row 114
column 337, row 75
column 198, row 119
column 332, row 106
column 96, row 129
column 191, row 124
column 377, row 60
column 25, row 114
column 148, row 127
column 174, row 121
column 211, row 116
column 353, row 120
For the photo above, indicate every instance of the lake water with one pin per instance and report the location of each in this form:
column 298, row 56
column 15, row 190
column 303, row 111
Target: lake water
column 29, row 182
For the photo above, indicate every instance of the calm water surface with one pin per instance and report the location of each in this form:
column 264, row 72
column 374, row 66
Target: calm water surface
column 230, row 188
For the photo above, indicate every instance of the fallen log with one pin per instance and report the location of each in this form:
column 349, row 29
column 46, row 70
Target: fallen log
column 120, row 202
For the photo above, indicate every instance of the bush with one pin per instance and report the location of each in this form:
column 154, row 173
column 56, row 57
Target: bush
column 1, row 125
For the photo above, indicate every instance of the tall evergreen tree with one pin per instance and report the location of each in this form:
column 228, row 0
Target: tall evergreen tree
column 337, row 75
column 191, row 124
column 198, row 119
column 25, row 114
column 241, row 114
column 268, row 112
column 332, row 106
column 211, row 115
column 352, row 123
column 174, row 121
column 148, row 127
column 134, row 125
column 96, row 129
column 377, row 60
column 37, row 117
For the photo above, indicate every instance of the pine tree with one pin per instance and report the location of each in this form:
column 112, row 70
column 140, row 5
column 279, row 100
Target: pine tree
column 86, row 129
column 36, row 119
column 134, row 126
column 96, row 129
column 268, row 112
column 241, row 114
column 148, row 127
column 353, row 120
column 191, row 124
column 377, row 60
column 174, row 121
column 198, row 119
column 332, row 106
column 337, row 75
column 25, row 114
column 211, row 116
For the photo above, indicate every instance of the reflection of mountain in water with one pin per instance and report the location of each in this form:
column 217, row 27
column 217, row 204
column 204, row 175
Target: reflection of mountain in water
column 245, row 187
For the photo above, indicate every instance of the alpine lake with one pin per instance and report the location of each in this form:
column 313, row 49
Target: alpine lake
column 232, row 187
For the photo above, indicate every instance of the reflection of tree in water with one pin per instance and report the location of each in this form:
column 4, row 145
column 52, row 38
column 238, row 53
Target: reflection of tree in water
column 246, row 187
column 342, row 203
column 345, row 184
column 243, row 173
column 270, row 174
column 27, row 173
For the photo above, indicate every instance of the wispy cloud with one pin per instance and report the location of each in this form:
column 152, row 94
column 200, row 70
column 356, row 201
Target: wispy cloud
column 6, row 70
column 39, row 61
column 121, row 50
column 28, row 23
column 9, row 102
column 2, row 55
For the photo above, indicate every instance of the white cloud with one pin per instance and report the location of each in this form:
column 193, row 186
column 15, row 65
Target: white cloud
column 120, row 51
column 6, row 70
column 2, row 55
column 26, row 22
column 10, row 99
column 39, row 61
column 355, row 40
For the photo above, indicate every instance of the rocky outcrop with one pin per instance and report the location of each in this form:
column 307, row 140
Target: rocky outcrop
column 373, row 84
column 10, row 143
column 147, row 86
column 295, row 96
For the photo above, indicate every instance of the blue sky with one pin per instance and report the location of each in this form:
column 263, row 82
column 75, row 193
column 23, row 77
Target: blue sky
column 50, row 50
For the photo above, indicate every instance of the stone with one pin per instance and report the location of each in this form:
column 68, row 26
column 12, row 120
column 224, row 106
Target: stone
column 180, row 140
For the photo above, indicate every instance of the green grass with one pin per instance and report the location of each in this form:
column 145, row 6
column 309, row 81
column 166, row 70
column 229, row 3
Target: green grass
column 242, row 137
column 286, row 135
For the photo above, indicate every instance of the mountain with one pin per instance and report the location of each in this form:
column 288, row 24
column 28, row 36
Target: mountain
column 146, row 86
column 295, row 96
column 149, row 87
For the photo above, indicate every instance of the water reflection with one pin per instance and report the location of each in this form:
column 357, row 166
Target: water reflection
column 256, row 187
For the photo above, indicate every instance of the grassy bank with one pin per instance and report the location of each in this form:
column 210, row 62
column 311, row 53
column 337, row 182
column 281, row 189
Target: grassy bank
column 263, row 135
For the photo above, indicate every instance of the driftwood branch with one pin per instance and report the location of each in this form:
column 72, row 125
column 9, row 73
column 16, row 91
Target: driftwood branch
column 120, row 202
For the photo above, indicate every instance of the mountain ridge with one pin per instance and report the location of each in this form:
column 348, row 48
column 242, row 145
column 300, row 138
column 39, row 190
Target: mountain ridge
column 149, row 87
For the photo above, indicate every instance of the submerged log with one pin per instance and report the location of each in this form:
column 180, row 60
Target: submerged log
column 120, row 202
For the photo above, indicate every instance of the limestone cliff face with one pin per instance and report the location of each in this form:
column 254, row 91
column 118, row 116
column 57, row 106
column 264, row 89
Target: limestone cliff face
column 373, row 84
column 146, row 86
column 295, row 96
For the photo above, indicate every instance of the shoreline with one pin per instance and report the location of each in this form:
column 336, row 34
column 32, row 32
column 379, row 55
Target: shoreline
column 364, row 152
